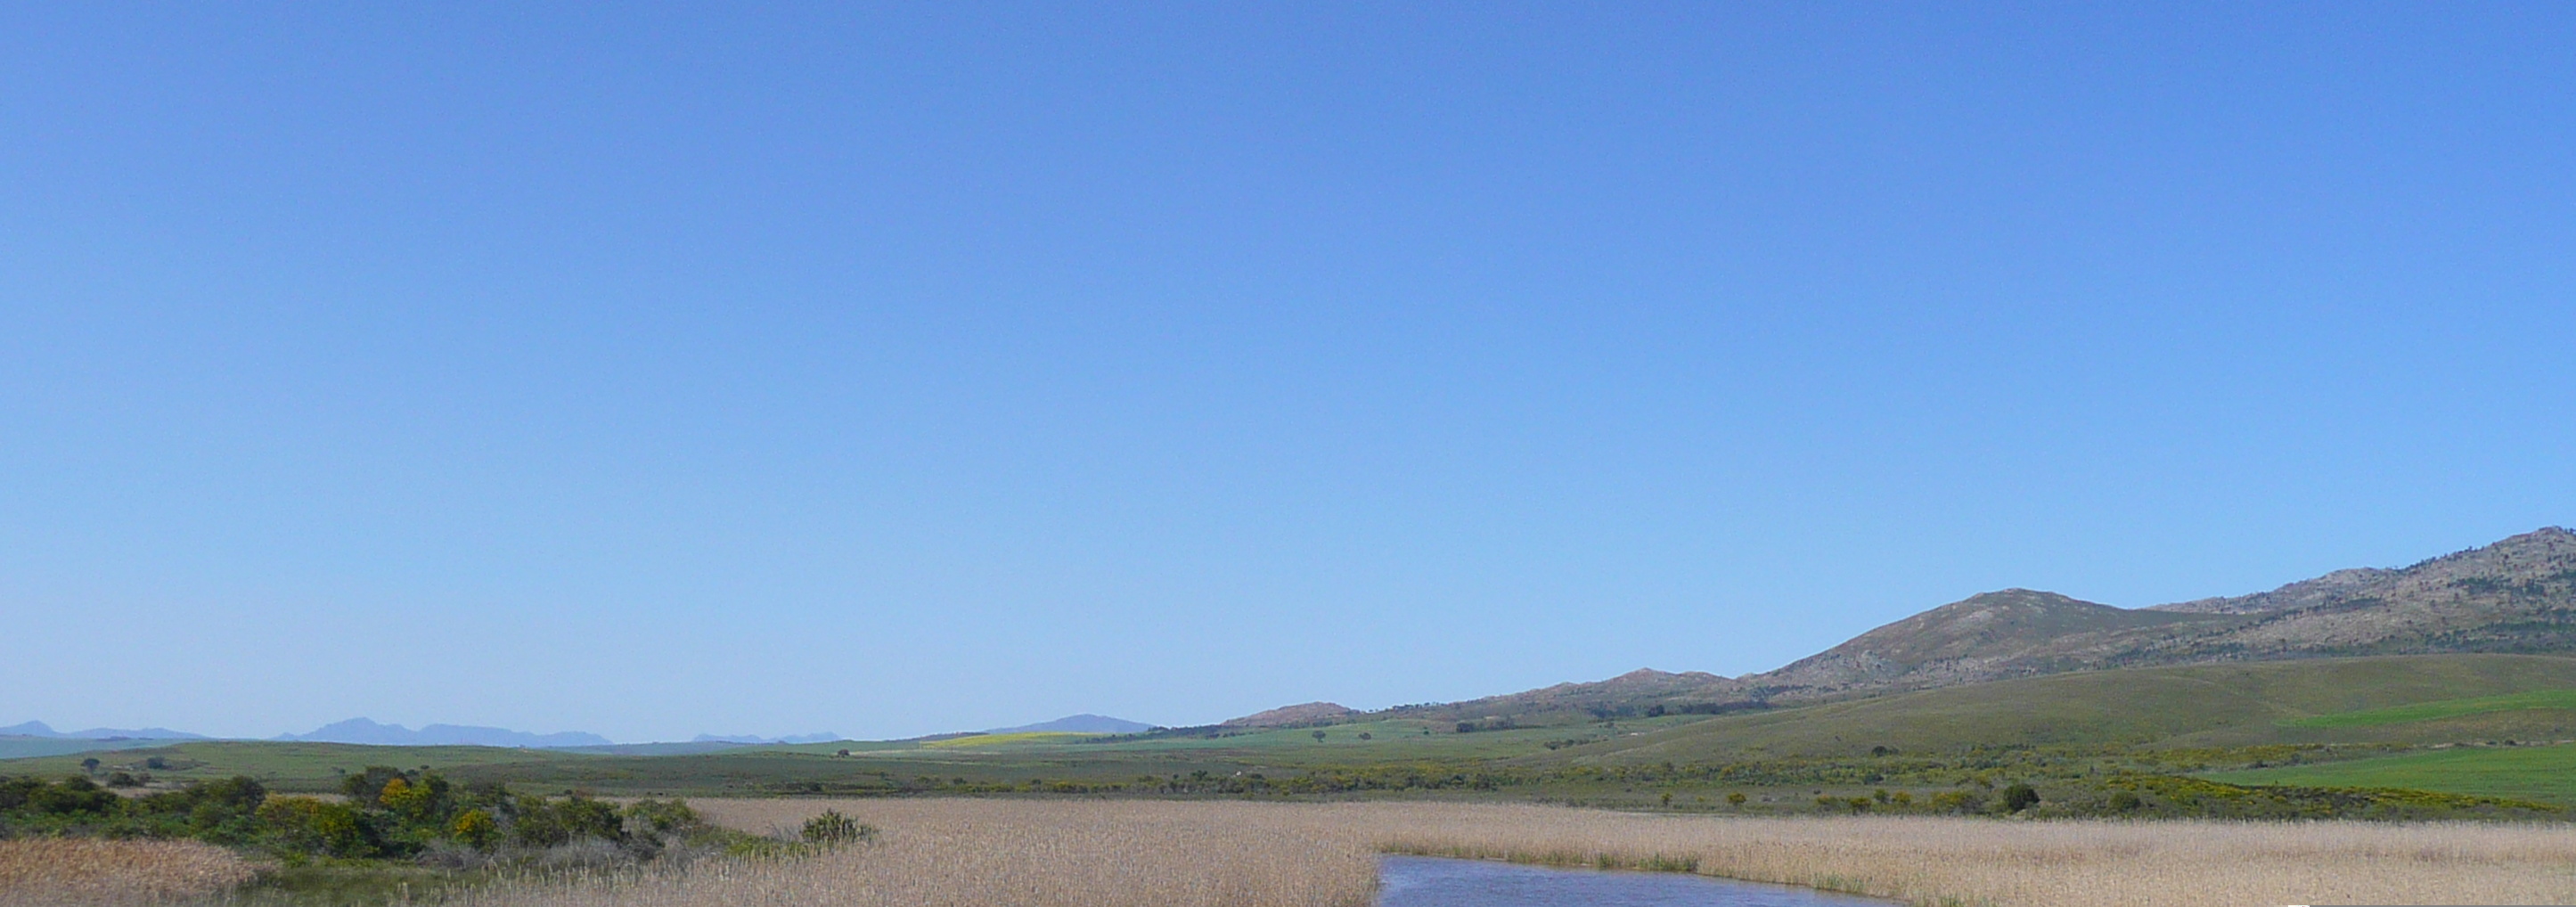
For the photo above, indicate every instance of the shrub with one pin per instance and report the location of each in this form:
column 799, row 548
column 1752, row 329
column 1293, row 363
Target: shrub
column 833, row 828
column 1959, row 801
column 2019, row 797
column 71, row 797
column 367, row 787
column 663, row 817
column 475, row 828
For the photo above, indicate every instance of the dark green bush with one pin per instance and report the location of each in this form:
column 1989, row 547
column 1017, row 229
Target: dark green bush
column 2019, row 797
column 833, row 828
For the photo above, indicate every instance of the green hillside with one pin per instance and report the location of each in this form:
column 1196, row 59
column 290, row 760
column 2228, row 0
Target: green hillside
column 2559, row 700
column 2246, row 704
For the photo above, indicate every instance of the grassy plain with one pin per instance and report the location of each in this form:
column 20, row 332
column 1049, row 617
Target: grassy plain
column 2557, row 701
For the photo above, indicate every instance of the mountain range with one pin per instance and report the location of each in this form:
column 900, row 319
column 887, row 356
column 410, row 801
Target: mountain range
column 2515, row 596
column 40, row 729
column 756, row 740
column 361, row 730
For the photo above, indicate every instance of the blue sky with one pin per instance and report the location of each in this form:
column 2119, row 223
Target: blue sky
column 904, row 369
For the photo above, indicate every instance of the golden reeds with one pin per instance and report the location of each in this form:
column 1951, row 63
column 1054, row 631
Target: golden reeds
column 990, row 853
column 71, row 871
column 1065, row 853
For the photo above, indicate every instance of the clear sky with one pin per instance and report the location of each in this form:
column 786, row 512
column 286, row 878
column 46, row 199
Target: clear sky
column 903, row 369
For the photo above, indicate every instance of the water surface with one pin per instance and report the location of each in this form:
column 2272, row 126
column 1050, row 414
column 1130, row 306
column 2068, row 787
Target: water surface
column 1436, row 882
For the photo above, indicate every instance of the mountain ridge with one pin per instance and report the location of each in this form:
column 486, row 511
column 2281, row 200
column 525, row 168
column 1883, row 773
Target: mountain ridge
column 367, row 731
column 40, row 729
column 2514, row 596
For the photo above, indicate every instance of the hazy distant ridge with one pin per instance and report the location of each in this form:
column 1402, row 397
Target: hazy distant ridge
column 1085, row 723
column 756, row 740
column 361, row 730
column 40, row 729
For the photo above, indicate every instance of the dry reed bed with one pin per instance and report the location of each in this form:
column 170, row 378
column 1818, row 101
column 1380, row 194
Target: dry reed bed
column 986, row 853
column 1926, row 860
column 995, row 853
column 977, row 853
column 57, row 871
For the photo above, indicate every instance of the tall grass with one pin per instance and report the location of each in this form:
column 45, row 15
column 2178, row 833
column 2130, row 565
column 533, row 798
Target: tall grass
column 66, row 871
column 956, row 853
column 989, row 853
column 1022, row 853
column 1944, row 861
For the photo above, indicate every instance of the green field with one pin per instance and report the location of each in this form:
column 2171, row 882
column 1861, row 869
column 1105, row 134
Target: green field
column 2556, row 700
column 2545, row 773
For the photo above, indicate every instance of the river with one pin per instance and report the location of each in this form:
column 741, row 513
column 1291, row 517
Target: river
column 1434, row 882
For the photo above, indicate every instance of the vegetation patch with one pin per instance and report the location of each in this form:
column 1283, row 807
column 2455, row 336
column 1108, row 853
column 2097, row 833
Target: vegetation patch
column 1023, row 737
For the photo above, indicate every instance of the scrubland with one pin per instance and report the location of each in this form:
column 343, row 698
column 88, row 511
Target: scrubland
column 75, row 871
column 956, row 853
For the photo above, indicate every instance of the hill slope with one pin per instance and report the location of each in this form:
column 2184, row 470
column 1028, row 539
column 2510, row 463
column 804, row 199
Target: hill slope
column 2162, row 707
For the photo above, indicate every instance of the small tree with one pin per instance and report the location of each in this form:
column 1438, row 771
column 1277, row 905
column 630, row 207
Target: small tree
column 2020, row 797
column 89, row 766
column 1318, row 735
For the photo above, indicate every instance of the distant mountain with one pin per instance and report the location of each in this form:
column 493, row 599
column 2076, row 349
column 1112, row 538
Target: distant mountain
column 1085, row 723
column 2516, row 596
column 753, row 740
column 1637, row 692
column 361, row 730
column 40, row 729
column 1991, row 636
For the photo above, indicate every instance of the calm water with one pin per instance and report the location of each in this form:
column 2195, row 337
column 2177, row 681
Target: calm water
column 1431, row 882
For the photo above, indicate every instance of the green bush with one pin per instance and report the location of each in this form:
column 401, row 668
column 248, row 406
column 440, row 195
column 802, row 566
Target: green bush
column 2019, row 797
column 833, row 828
